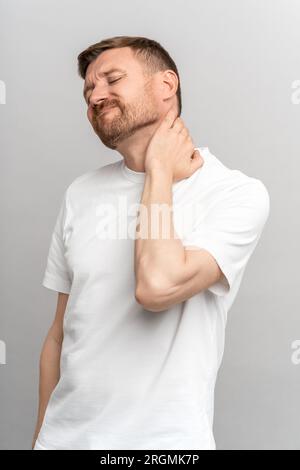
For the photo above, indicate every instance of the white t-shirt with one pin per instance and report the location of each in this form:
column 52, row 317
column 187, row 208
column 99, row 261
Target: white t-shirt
column 133, row 378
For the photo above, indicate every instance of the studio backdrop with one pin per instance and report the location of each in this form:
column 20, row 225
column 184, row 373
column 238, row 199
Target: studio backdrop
column 240, row 78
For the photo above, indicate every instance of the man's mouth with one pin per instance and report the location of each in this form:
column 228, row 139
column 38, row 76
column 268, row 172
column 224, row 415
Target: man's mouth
column 106, row 109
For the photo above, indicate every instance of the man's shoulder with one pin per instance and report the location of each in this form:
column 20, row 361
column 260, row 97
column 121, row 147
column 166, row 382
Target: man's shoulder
column 216, row 183
column 219, row 175
column 91, row 177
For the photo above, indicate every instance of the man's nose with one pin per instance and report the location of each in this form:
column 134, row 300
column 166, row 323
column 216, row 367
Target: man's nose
column 98, row 95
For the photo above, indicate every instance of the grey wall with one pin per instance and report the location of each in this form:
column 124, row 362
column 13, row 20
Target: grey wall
column 238, row 61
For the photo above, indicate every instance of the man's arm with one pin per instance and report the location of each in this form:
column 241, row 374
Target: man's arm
column 167, row 274
column 50, row 361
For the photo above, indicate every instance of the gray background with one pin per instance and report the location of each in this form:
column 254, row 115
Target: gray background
column 237, row 61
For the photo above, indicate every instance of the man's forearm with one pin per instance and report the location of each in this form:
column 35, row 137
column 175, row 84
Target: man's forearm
column 49, row 376
column 158, row 262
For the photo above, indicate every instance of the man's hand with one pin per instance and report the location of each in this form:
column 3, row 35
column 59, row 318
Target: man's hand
column 172, row 149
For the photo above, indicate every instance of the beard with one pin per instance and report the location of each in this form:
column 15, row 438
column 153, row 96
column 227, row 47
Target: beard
column 121, row 122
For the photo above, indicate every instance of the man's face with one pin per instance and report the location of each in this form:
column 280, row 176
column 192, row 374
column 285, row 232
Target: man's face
column 131, row 96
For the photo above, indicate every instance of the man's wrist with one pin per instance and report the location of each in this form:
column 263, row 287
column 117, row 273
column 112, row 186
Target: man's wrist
column 160, row 170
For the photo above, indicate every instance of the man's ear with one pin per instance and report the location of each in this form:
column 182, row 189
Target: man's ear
column 169, row 83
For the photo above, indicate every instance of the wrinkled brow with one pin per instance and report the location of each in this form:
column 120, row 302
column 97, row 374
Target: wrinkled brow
column 88, row 86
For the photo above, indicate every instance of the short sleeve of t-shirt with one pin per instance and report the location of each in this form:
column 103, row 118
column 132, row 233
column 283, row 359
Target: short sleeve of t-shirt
column 56, row 275
column 231, row 229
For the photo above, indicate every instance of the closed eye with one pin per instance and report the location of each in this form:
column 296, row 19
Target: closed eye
column 113, row 81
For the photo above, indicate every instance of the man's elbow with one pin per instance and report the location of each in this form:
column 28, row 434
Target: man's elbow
column 150, row 298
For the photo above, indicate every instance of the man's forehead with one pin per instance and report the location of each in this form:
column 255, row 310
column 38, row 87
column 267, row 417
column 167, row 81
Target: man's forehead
column 105, row 70
column 119, row 59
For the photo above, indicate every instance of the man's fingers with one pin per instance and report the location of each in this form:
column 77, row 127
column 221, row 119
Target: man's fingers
column 169, row 118
column 196, row 161
column 179, row 126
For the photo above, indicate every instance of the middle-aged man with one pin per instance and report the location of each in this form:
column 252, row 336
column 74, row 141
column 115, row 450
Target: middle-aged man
column 131, row 359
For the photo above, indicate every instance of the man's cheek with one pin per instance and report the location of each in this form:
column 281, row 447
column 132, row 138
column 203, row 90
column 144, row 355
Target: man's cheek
column 89, row 114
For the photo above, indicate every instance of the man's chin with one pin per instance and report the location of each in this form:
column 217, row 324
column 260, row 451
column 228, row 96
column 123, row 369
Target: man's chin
column 108, row 140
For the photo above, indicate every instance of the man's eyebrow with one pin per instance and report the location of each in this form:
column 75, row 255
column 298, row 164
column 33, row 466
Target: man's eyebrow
column 114, row 69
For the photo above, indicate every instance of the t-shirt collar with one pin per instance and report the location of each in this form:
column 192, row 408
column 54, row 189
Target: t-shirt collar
column 139, row 176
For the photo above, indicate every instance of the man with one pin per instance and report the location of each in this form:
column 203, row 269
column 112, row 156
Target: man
column 131, row 359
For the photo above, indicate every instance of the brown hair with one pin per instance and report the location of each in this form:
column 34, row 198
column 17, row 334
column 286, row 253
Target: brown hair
column 153, row 56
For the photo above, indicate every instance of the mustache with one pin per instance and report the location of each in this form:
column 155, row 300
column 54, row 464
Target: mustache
column 99, row 108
